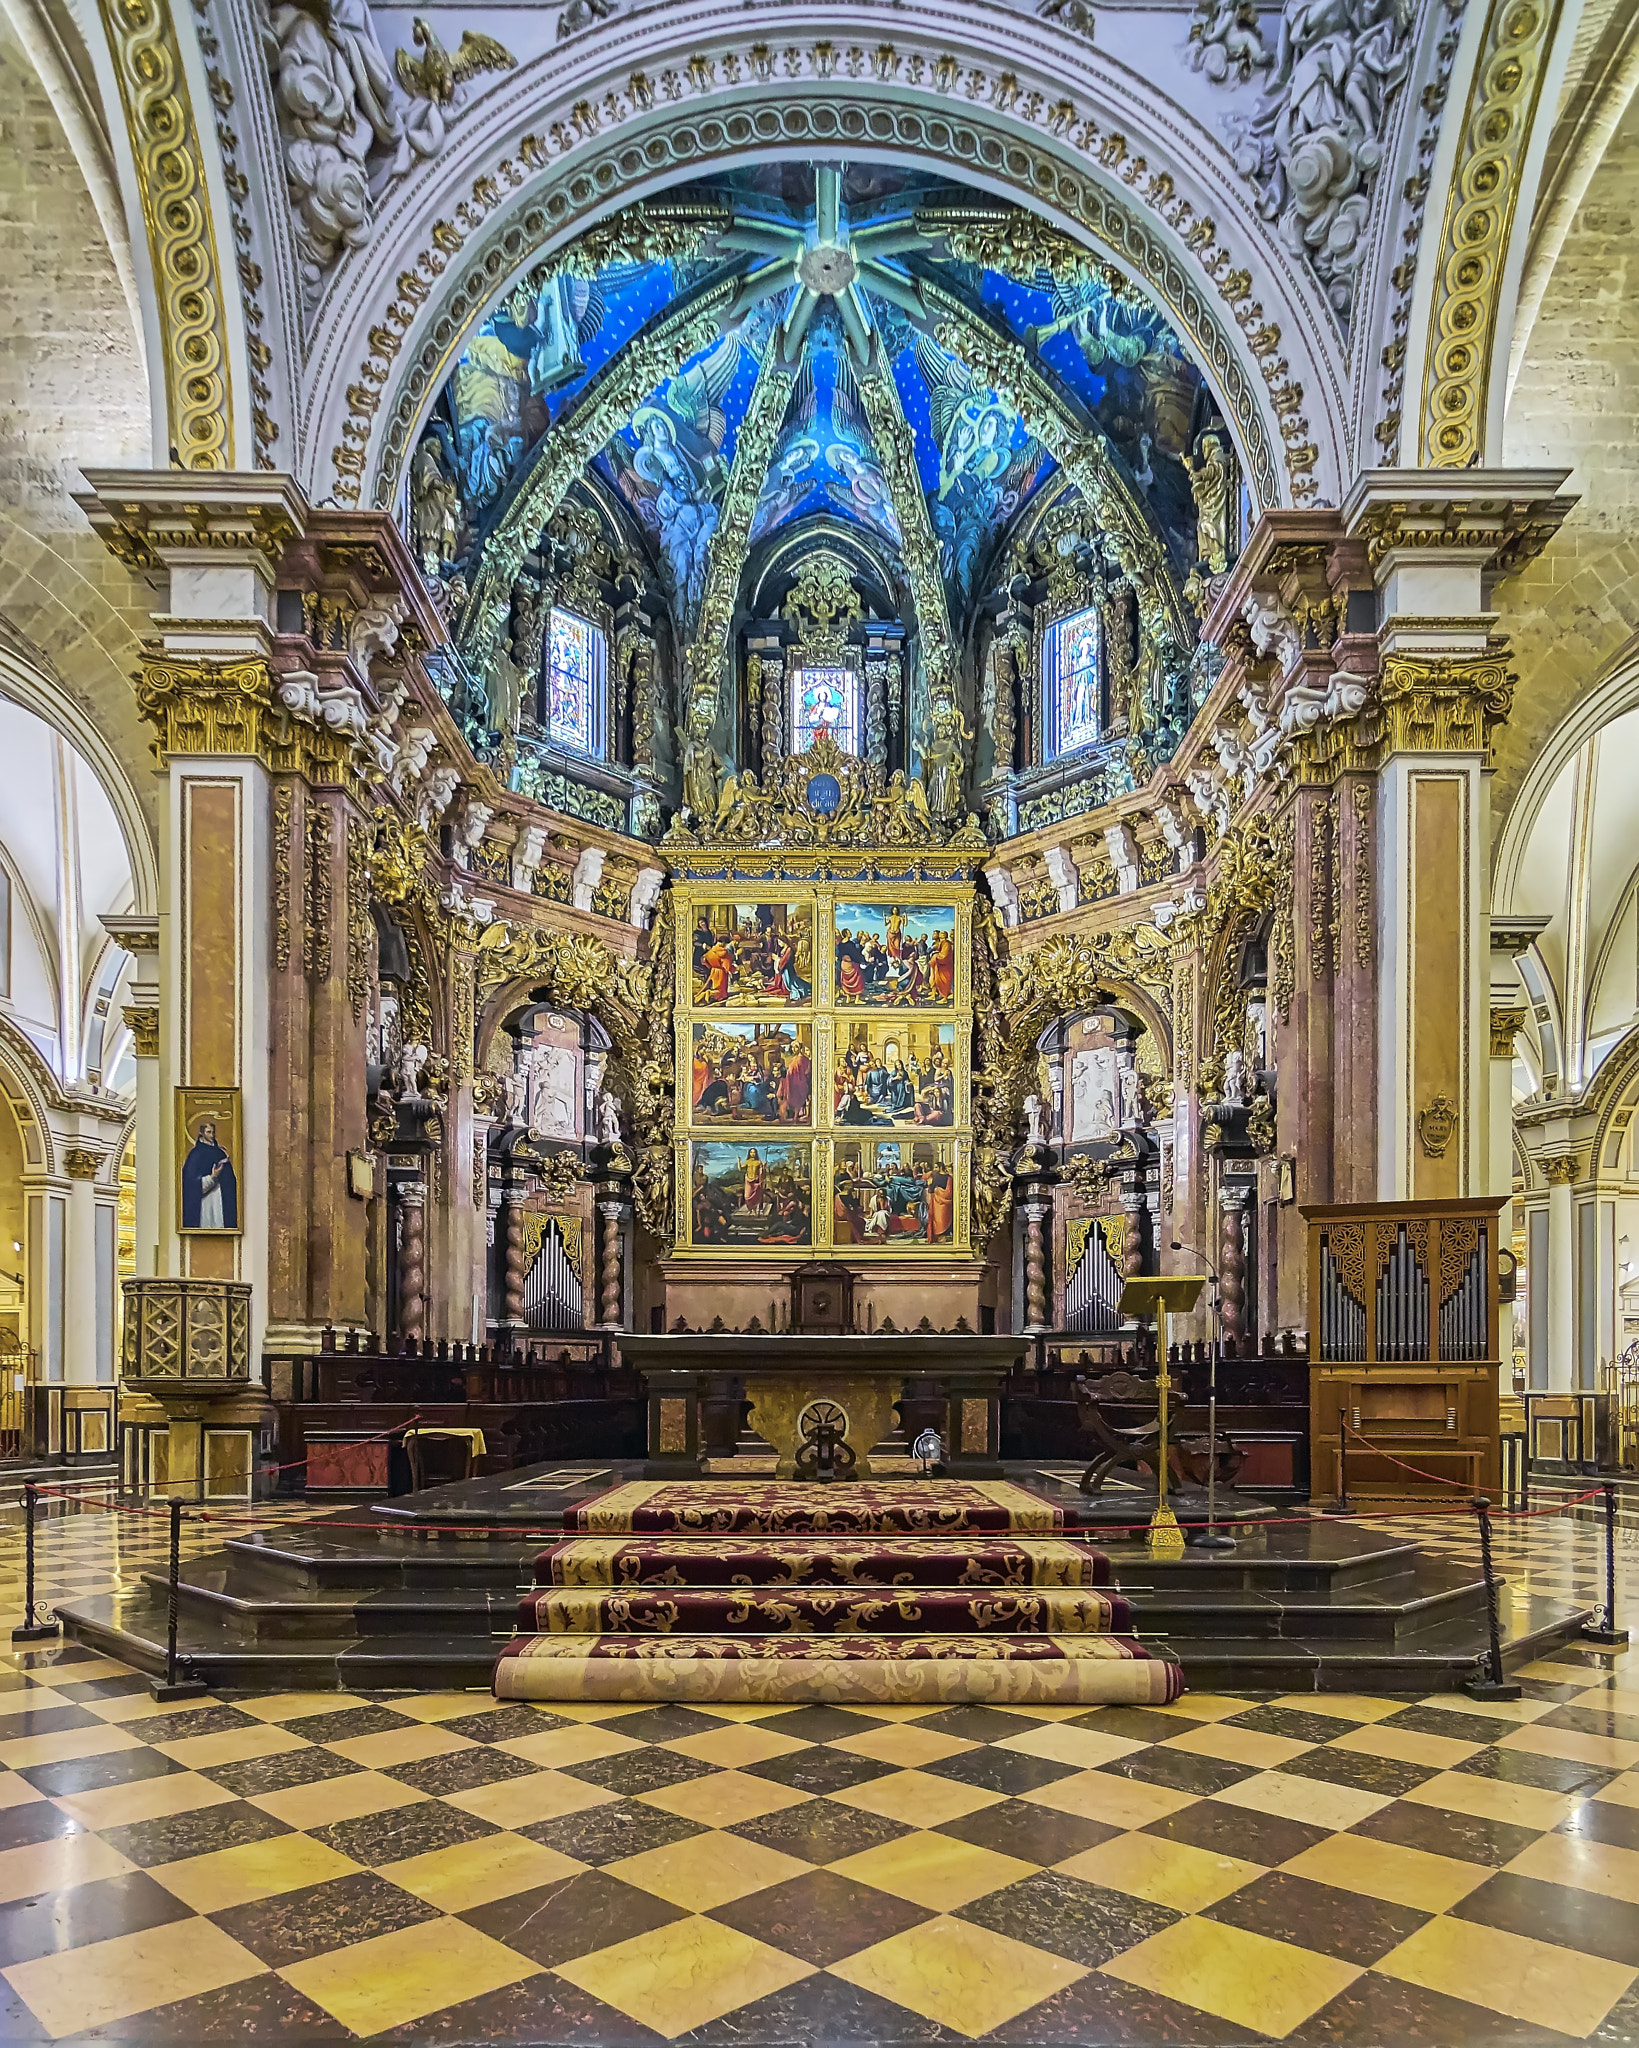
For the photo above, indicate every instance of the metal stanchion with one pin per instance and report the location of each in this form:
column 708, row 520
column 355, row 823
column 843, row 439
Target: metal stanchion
column 36, row 1628
column 1607, row 1631
column 1341, row 1506
column 1488, row 1683
column 173, row 1686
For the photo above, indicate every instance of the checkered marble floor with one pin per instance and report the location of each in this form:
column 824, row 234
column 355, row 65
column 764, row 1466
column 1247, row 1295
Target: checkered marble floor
column 441, row 1868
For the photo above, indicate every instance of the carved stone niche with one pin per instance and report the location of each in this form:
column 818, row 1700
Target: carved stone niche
column 822, row 1299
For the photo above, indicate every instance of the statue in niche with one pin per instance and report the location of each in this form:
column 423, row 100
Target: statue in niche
column 699, row 763
column 946, row 761
column 412, row 1059
column 606, row 1110
column 1237, row 1081
column 514, row 1094
column 1132, row 1094
column 1035, row 1119
column 1211, row 477
column 435, row 509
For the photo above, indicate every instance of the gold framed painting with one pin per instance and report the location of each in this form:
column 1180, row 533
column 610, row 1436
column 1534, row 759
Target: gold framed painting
column 750, row 1195
column 209, row 1156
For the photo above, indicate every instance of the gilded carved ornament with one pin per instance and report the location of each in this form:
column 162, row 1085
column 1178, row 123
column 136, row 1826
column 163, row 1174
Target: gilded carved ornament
column 81, row 1163
column 1437, row 1126
column 142, row 1019
column 1444, row 703
column 1506, row 1025
column 1560, row 1169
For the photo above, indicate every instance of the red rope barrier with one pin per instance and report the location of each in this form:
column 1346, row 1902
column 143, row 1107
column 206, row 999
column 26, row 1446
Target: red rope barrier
column 1416, row 1471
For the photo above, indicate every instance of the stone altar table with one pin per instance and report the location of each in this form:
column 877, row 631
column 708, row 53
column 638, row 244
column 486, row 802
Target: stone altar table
column 696, row 1381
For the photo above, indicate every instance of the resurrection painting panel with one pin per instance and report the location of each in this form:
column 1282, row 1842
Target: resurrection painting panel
column 745, row 1195
column 754, row 955
column 902, row 1072
column 752, row 1073
column 893, row 956
column 893, row 1192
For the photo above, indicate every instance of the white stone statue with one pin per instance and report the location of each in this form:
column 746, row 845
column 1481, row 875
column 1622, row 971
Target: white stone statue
column 514, row 1094
column 1035, row 1117
column 412, row 1059
column 1132, row 1106
column 1237, row 1081
column 606, row 1110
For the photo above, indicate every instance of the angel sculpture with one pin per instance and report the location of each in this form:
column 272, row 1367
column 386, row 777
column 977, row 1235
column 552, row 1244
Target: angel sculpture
column 437, row 75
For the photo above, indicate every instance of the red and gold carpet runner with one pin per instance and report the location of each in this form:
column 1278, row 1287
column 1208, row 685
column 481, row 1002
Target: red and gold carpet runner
column 875, row 1591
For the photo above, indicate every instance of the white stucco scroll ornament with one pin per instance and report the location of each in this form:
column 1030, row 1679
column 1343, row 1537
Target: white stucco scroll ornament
column 1313, row 145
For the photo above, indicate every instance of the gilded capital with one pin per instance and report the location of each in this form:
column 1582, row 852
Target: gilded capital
column 1445, row 703
column 143, row 1022
column 1505, row 1027
column 1559, row 1169
column 239, row 708
column 81, row 1163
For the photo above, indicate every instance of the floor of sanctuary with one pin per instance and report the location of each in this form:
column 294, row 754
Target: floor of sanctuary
column 445, row 1868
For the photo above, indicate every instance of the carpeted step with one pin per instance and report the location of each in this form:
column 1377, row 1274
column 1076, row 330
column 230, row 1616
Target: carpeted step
column 821, row 1610
column 1016, row 1562
column 904, row 1670
column 865, row 1507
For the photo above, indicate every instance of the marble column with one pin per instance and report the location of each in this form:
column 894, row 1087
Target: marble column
column 1559, row 1281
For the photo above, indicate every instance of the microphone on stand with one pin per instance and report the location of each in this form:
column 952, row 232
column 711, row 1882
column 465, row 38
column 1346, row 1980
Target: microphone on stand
column 1213, row 1539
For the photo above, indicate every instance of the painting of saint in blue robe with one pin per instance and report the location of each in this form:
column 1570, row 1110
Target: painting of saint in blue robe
column 210, row 1189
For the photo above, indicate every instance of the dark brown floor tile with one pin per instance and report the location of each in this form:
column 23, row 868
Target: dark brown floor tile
column 603, row 1834
column 1590, row 1720
column 819, row 1769
column 553, row 1923
column 461, row 1771
column 17, row 2022
column 1179, row 1770
column 1293, row 1723
column 175, row 1835
column 1447, row 1834
column 83, row 1914
column 1018, row 1827
column 1381, row 2012
column 823, row 1724
column 416, row 1830
column 542, row 2009
column 261, row 1774
column 321, row 1917
column 1086, row 1923
column 1459, row 1726
column 1354, row 1767
column 197, row 1721
column 1102, row 2012
column 1317, row 1916
column 978, row 1724
column 820, row 2009
column 94, row 1773
column 820, row 1831
column 820, row 1916
column 348, row 1723
column 1000, row 1770
column 667, row 1724
column 1263, row 1838
column 1547, row 1773
column 263, row 2008
column 1133, row 1724
column 1556, row 1913
column 506, row 1724
column 1599, row 1820
column 122, row 1688
column 37, row 1820
column 640, row 1770
column 29, row 1722
column 1620, row 2026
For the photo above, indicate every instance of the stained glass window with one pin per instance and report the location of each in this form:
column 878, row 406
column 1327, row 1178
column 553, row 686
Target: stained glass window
column 824, row 700
column 574, row 684
column 1071, row 661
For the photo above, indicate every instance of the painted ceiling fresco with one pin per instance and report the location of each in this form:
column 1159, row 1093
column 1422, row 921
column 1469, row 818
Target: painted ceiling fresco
column 978, row 464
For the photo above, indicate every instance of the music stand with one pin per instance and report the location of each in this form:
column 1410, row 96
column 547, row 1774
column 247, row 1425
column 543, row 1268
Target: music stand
column 1161, row 1296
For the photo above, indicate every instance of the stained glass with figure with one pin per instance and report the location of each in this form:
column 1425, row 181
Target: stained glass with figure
column 574, row 683
column 1071, row 662
column 824, row 699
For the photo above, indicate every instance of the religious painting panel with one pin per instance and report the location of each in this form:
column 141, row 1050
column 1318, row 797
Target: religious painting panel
column 751, row 1072
column 743, row 1197
column 895, row 956
column 893, row 1194
column 210, row 1156
column 895, row 1073
column 752, row 955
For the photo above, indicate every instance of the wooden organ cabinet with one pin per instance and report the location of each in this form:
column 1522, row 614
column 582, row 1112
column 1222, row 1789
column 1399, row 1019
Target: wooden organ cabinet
column 1403, row 1360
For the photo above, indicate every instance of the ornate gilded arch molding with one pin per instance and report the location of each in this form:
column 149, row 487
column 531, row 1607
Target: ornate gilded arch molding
column 989, row 127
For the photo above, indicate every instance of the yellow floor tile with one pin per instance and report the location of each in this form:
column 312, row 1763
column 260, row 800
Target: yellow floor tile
column 116, row 1806
column 142, row 1706
column 1492, row 1710
column 732, row 1748
column 1585, row 1865
column 707, row 1870
column 443, row 1706
column 40, row 1697
column 473, row 1873
column 520, row 1802
column 1085, row 1748
column 595, row 1710
column 255, row 1870
column 683, row 1975
column 332, row 1799
column 907, row 1746
column 894, row 1715
column 1120, row 1802
column 68, row 1747
column 724, row 1799
column 110, row 1980
column 1407, row 1746
column 963, row 1977
column 16, row 1791
column 54, row 1866
column 1200, row 1706
column 1171, row 1874
column 299, row 1706
column 558, row 1747
column 1385, row 1870
column 1605, row 1752
column 396, row 1978
column 234, row 1746
column 917, row 1798
column 1622, row 1791
column 1232, row 1745
column 1492, row 1799
column 400, row 1746
column 1247, row 1979
column 740, row 1710
column 1528, row 1980
column 1342, row 1706
column 935, row 1871
column 1310, row 1800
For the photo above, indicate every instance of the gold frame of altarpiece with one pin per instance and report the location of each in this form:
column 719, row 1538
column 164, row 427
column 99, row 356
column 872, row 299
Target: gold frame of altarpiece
column 829, row 1023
